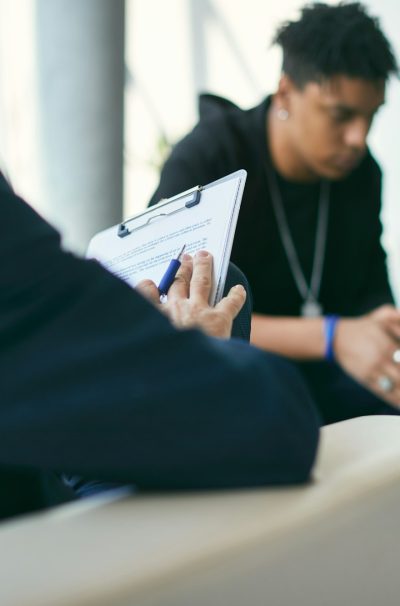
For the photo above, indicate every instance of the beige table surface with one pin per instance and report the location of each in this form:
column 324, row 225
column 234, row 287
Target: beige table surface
column 161, row 549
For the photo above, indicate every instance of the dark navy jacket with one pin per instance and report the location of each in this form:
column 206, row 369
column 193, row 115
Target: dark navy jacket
column 95, row 381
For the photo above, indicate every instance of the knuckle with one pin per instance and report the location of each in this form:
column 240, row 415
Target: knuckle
column 181, row 278
column 203, row 281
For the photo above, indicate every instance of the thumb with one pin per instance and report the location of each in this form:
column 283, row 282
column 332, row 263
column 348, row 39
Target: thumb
column 386, row 312
column 233, row 302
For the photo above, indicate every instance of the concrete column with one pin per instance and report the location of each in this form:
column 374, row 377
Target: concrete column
column 80, row 59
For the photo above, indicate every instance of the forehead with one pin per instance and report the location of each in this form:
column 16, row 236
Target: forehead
column 353, row 93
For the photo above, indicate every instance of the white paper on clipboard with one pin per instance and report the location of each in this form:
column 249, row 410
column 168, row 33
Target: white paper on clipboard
column 143, row 246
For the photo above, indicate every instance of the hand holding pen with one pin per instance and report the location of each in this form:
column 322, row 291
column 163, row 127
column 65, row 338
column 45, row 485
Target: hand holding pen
column 188, row 298
column 170, row 274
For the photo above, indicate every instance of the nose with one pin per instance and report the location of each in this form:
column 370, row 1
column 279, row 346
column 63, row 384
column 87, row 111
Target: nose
column 356, row 134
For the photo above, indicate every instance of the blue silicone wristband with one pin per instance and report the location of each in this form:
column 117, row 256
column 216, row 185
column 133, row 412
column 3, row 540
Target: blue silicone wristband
column 329, row 329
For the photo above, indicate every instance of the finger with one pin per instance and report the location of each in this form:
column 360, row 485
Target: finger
column 390, row 372
column 392, row 397
column 233, row 302
column 149, row 290
column 389, row 316
column 179, row 288
column 201, row 282
column 394, row 330
column 385, row 312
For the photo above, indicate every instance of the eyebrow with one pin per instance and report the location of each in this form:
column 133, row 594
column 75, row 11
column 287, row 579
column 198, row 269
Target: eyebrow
column 347, row 109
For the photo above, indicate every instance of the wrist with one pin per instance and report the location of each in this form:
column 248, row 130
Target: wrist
column 330, row 323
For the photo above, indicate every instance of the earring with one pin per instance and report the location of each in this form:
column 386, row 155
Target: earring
column 283, row 114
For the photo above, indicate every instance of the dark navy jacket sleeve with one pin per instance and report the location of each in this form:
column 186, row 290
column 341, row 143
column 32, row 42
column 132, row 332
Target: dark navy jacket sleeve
column 95, row 381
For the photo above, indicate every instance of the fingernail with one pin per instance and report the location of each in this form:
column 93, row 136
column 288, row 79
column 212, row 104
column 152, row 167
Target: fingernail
column 202, row 253
column 186, row 257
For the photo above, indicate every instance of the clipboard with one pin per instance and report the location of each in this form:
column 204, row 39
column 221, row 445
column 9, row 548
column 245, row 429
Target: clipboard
column 203, row 217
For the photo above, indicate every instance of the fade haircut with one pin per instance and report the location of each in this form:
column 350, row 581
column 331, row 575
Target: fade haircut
column 335, row 40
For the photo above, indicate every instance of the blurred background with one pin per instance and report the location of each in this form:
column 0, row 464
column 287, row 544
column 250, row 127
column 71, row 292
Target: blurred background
column 93, row 93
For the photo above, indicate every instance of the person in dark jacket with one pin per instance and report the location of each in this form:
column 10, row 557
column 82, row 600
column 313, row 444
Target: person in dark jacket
column 95, row 381
column 308, row 234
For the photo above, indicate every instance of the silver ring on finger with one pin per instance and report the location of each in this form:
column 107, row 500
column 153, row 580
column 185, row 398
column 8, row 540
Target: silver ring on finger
column 396, row 356
column 385, row 383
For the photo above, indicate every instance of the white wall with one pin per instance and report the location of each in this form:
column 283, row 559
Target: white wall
column 19, row 133
column 385, row 142
column 222, row 46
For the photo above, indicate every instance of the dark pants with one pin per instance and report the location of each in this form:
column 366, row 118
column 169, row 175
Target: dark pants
column 336, row 395
column 24, row 490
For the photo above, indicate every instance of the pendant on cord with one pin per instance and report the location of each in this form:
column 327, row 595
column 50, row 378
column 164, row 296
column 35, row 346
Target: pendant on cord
column 311, row 309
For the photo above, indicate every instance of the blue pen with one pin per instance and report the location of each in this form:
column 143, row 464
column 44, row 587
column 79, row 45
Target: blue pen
column 170, row 274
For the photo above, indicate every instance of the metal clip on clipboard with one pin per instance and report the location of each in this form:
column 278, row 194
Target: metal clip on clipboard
column 193, row 196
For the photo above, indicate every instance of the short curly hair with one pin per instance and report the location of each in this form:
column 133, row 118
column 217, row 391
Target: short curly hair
column 329, row 40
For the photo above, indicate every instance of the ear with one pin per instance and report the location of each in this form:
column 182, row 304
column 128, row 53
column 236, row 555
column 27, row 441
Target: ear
column 282, row 97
